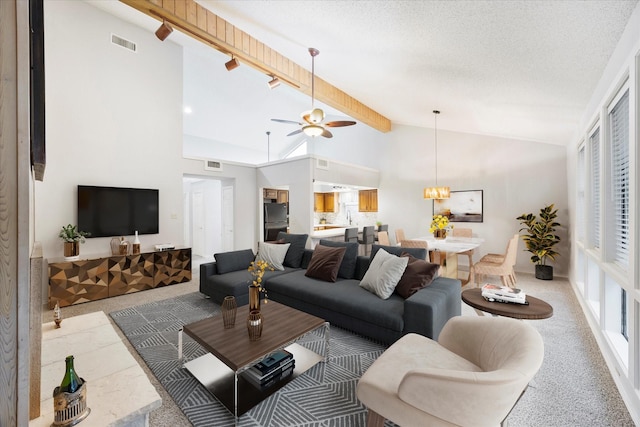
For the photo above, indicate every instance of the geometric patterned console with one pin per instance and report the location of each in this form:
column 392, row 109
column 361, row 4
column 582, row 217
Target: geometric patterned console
column 75, row 282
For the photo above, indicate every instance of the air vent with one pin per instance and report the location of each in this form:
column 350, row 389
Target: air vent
column 322, row 164
column 127, row 44
column 212, row 165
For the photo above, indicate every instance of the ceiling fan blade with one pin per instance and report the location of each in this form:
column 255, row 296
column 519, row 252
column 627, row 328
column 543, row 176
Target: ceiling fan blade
column 327, row 134
column 295, row 132
column 339, row 123
column 286, row 121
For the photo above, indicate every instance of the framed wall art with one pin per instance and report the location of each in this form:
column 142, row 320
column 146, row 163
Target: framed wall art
column 461, row 206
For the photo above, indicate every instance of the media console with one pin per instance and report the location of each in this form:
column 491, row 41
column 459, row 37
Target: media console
column 75, row 282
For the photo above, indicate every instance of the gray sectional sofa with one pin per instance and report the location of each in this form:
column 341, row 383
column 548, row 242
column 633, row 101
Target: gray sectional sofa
column 343, row 303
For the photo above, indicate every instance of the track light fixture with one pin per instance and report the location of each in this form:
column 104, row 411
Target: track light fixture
column 274, row 82
column 163, row 32
column 232, row 64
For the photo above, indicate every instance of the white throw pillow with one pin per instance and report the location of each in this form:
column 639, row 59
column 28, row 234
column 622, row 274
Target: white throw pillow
column 384, row 273
column 273, row 253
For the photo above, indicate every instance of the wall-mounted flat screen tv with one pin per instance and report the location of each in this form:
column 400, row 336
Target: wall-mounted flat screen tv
column 115, row 211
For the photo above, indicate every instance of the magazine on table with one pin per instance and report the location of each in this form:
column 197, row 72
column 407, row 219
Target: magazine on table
column 501, row 293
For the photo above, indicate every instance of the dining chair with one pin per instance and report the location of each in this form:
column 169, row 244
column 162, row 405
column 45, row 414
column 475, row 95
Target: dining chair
column 416, row 244
column 502, row 267
column 367, row 238
column 467, row 233
column 383, row 238
column 399, row 235
column 498, row 258
column 351, row 235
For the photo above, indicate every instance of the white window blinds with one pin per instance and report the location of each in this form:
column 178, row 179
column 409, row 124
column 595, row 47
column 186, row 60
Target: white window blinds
column 594, row 151
column 580, row 181
column 619, row 122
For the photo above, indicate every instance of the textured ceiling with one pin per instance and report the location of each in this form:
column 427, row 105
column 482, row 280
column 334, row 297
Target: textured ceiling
column 519, row 69
column 514, row 69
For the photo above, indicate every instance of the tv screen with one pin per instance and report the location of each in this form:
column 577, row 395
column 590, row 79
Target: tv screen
column 114, row 211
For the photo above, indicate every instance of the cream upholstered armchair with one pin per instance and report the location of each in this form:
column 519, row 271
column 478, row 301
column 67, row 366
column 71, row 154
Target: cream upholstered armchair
column 473, row 375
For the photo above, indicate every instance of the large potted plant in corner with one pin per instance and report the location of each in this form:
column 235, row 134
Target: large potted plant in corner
column 72, row 238
column 540, row 239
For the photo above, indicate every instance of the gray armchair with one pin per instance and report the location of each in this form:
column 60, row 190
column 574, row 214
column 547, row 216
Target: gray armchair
column 474, row 374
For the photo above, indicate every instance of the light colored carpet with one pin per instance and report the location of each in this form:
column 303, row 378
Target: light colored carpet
column 573, row 387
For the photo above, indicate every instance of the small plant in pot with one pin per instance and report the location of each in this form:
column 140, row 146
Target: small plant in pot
column 540, row 239
column 72, row 238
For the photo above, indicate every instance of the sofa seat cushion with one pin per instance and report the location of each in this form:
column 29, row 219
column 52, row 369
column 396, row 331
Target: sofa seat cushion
column 236, row 283
column 345, row 296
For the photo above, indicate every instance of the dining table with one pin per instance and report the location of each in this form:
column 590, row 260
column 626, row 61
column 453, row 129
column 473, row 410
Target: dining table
column 445, row 252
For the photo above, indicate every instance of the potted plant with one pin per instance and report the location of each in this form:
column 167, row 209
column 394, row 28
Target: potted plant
column 541, row 239
column 440, row 225
column 72, row 238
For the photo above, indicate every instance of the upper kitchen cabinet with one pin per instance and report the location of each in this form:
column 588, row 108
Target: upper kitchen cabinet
column 368, row 201
column 270, row 193
column 324, row 202
column 283, row 196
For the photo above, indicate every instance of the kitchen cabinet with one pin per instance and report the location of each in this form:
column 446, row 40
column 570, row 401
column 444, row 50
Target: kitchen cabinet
column 324, row 202
column 270, row 193
column 368, row 201
column 283, row 196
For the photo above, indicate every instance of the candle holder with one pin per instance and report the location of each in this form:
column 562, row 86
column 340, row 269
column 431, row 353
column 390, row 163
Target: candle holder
column 229, row 308
column 254, row 325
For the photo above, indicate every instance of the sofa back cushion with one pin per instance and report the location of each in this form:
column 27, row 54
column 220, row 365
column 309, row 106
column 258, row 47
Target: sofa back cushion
column 325, row 263
column 273, row 254
column 384, row 273
column 234, row 260
column 348, row 265
column 298, row 242
column 419, row 253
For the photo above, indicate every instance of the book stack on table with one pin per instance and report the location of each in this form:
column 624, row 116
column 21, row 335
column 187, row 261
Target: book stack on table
column 271, row 370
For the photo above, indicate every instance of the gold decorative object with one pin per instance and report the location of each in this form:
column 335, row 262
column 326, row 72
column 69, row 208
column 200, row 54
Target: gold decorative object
column 124, row 248
column 257, row 269
column 229, row 308
column 57, row 315
column 115, row 246
column 440, row 234
column 254, row 325
column 70, row 408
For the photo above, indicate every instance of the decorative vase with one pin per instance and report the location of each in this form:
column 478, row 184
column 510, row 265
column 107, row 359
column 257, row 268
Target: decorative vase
column 440, row 234
column 136, row 244
column 254, row 325
column 71, row 251
column 57, row 315
column 229, row 308
column 254, row 298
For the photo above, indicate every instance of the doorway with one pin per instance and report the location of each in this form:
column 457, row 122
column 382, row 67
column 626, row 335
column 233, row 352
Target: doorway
column 208, row 217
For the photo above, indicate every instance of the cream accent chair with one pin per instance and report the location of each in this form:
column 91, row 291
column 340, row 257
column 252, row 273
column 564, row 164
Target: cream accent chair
column 399, row 236
column 498, row 264
column 460, row 380
column 383, row 238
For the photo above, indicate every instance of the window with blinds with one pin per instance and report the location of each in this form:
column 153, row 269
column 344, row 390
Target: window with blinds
column 580, row 184
column 619, row 131
column 594, row 151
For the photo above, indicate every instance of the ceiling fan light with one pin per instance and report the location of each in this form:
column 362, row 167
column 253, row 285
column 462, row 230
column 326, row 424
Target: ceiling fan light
column 313, row 130
column 437, row 193
column 274, row 83
column 316, row 116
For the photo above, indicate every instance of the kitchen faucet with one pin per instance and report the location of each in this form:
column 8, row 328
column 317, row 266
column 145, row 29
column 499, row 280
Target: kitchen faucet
column 349, row 216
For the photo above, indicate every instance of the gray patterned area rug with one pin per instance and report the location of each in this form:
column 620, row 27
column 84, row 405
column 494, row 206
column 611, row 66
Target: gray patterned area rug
column 323, row 396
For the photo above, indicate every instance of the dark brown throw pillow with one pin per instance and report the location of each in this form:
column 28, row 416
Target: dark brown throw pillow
column 325, row 263
column 418, row 274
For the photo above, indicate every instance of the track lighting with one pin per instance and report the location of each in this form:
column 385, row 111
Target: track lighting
column 164, row 30
column 273, row 83
column 232, row 64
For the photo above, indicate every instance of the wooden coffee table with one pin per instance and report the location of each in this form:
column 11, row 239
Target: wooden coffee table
column 230, row 352
column 536, row 309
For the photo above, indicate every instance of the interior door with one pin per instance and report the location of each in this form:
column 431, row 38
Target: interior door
column 227, row 219
column 198, row 230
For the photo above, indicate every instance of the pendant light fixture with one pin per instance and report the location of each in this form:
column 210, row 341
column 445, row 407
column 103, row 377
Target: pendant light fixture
column 268, row 146
column 436, row 192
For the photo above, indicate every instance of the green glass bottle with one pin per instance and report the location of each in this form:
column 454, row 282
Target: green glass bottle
column 71, row 381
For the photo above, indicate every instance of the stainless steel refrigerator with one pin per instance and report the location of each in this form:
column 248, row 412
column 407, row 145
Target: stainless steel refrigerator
column 275, row 220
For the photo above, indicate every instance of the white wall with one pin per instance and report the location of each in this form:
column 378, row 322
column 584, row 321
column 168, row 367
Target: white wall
column 114, row 118
column 515, row 176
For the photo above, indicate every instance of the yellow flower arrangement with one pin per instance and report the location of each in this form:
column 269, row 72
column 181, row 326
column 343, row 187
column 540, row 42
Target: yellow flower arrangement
column 440, row 222
column 257, row 269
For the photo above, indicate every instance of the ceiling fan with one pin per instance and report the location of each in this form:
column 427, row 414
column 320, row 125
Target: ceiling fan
column 312, row 125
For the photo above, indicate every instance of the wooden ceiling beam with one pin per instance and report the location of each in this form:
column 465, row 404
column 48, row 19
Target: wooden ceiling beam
column 205, row 26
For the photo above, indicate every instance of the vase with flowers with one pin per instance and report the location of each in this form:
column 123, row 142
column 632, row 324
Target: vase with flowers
column 257, row 269
column 440, row 225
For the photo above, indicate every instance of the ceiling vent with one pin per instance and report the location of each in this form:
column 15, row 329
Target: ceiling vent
column 127, row 44
column 212, row 165
column 322, row 164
